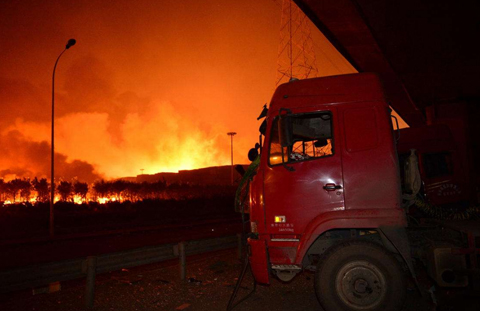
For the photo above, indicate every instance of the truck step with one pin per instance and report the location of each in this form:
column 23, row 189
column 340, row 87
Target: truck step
column 287, row 267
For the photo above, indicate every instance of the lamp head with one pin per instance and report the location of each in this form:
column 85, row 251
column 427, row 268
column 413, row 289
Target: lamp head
column 70, row 43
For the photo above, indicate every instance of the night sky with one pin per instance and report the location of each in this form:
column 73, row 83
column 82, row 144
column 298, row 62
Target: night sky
column 151, row 85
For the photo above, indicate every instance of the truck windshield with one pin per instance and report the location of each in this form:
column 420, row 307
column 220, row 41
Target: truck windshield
column 312, row 138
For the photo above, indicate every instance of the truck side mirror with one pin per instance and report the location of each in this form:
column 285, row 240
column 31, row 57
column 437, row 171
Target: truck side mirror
column 263, row 127
column 285, row 130
column 397, row 131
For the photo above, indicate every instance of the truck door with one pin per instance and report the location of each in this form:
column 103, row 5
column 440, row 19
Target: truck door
column 308, row 181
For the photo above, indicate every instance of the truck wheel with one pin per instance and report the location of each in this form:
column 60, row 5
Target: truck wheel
column 359, row 275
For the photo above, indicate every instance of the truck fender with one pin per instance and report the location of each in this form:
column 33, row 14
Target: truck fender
column 397, row 237
column 346, row 220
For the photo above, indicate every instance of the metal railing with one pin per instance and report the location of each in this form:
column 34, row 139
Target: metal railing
column 44, row 274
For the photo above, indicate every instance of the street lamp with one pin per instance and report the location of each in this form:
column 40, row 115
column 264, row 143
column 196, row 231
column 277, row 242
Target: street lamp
column 231, row 144
column 70, row 43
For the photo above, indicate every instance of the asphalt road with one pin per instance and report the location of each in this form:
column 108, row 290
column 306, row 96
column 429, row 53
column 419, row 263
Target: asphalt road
column 211, row 281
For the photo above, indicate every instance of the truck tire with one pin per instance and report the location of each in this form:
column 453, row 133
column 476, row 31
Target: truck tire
column 360, row 275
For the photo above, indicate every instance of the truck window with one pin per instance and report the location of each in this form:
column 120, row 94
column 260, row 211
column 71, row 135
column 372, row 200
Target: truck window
column 275, row 147
column 312, row 139
column 437, row 164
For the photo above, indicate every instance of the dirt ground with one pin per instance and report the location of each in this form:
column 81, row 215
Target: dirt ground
column 210, row 281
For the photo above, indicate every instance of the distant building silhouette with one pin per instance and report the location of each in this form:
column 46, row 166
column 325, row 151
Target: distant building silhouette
column 217, row 175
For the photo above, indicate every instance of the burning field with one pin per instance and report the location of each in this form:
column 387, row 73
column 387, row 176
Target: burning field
column 31, row 192
column 109, row 205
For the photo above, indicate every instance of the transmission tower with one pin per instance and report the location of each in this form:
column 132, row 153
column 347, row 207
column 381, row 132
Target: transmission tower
column 296, row 53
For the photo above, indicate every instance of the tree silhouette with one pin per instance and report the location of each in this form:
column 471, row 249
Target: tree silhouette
column 3, row 190
column 121, row 190
column 25, row 189
column 118, row 187
column 132, row 192
column 81, row 189
column 159, row 189
column 65, row 190
column 101, row 188
column 13, row 188
column 42, row 188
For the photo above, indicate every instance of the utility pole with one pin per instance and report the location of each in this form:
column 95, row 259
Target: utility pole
column 231, row 134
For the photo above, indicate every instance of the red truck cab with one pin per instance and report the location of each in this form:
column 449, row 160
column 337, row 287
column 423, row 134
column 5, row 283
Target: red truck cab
column 329, row 176
column 444, row 170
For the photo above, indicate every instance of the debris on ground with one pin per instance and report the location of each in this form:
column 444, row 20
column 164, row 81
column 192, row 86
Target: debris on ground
column 183, row 307
column 194, row 281
column 158, row 287
column 130, row 280
column 162, row 281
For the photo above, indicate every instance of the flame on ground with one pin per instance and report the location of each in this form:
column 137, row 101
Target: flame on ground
column 75, row 199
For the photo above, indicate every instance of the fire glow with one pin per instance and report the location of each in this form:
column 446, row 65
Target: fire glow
column 74, row 199
column 156, row 92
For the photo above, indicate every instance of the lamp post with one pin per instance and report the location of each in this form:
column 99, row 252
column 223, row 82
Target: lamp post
column 231, row 146
column 70, row 43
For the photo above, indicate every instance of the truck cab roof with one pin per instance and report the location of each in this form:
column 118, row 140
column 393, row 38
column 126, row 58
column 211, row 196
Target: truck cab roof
column 327, row 90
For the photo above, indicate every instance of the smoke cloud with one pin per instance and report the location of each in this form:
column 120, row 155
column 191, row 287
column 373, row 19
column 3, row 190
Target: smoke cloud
column 119, row 137
column 22, row 158
column 150, row 85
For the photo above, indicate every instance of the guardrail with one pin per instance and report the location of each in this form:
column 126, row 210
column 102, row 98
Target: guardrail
column 44, row 274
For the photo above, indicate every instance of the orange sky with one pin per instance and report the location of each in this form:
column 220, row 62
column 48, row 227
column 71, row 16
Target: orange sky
column 150, row 84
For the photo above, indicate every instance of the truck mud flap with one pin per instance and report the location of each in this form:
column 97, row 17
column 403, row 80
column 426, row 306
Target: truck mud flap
column 399, row 239
column 258, row 257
